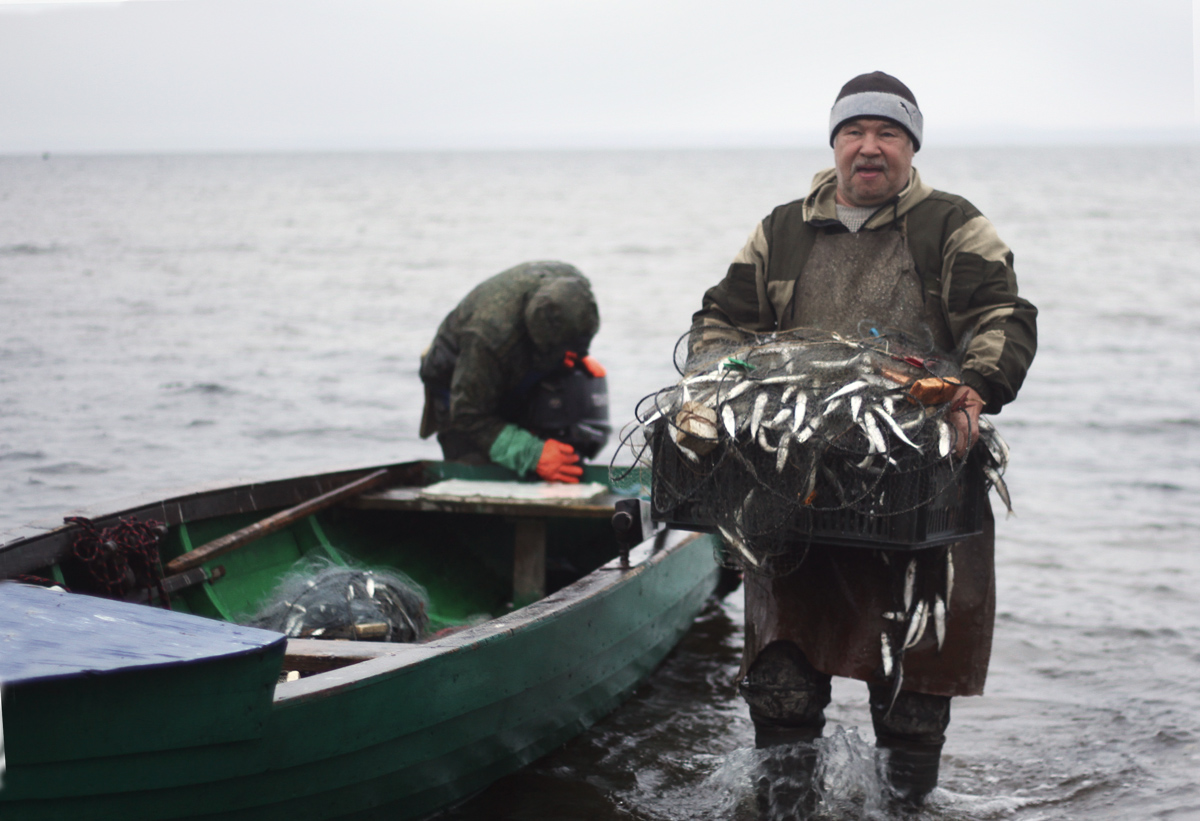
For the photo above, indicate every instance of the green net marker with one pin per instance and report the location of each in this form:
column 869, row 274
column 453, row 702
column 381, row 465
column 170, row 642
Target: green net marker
column 735, row 364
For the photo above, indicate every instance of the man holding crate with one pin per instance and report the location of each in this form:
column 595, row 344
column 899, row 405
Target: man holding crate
column 872, row 242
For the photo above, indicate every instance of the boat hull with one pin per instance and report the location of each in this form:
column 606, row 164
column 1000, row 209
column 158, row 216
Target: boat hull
column 409, row 732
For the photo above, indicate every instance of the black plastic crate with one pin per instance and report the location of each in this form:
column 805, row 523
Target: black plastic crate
column 889, row 518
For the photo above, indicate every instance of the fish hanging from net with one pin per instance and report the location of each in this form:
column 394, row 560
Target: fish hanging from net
column 778, row 440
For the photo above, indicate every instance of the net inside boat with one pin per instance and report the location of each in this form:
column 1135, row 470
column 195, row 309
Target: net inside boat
column 319, row 598
column 782, row 439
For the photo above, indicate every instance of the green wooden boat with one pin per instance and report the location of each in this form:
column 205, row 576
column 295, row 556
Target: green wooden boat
column 115, row 710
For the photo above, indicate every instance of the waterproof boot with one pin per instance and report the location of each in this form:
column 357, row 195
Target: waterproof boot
column 787, row 698
column 912, row 771
column 912, row 730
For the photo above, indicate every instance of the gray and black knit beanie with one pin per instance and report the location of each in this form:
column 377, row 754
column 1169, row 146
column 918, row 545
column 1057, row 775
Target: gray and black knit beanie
column 877, row 95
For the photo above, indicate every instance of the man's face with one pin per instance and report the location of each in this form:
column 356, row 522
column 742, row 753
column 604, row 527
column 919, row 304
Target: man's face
column 873, row 159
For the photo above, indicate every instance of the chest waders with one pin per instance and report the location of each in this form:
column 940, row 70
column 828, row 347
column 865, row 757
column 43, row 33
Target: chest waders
column 826, row 617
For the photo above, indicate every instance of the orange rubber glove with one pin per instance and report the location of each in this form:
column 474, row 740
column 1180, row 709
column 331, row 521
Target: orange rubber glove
column 559, row 463
column 593, row 367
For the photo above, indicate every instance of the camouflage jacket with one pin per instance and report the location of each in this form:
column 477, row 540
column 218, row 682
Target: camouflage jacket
column 483, row 359
column 961, row 260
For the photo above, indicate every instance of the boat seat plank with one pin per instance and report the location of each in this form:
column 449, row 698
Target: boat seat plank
column 319, row 655
column 599, row 506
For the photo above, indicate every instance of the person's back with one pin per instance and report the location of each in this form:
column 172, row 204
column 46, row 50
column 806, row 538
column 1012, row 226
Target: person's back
column 503, row 339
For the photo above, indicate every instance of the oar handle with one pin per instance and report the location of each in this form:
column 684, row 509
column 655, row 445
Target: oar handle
column 277, row 521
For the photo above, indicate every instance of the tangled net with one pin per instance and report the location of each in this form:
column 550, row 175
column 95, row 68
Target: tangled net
column 780, row 440
column 117, row 560
column 321, row 599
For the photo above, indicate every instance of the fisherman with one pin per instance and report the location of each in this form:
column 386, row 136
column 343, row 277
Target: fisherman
column 873, row 243
column 508, row 379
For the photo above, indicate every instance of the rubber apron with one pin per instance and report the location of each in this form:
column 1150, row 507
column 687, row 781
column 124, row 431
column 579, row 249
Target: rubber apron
column 832, row 606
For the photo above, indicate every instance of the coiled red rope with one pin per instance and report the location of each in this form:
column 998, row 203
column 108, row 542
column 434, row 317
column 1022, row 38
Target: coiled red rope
column 120, row 558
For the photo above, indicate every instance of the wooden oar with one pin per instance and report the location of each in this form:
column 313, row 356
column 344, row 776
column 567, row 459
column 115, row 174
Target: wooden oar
column 278, row 521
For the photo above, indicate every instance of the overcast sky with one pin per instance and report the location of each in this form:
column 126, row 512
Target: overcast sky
column 179, row 75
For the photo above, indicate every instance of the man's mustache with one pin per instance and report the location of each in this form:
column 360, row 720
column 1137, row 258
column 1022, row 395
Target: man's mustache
column 872, row 165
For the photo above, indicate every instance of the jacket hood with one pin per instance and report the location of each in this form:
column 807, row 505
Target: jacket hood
column 562, row 315
column 821, row 203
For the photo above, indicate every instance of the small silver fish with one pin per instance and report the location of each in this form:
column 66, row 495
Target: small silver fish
column 994, row 441
column 939, row 621
column 916, row 626
column 740, row 388
column 997, row 481
column 891, row 423
column 943, row 439
column 855, row 406
column 874, row 435
column 831, row 407
column 778, row 418
column 804, row 435
column 949, row 575
column 760, row 404
column 763, row 443
column 704, row 378
column 885, row 650
column 812, row 484
column 856, row 385
column 894, row 615
column 910, row 579
column 730, row 421
column 897, row 684
column 787, row 394
column 801, row 409
column 781, row 458
column 737, row 543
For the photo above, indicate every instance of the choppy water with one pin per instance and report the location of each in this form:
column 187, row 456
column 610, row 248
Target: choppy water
column 174, row 320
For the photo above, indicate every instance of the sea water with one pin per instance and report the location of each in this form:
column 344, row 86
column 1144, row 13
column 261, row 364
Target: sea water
column 170, row 321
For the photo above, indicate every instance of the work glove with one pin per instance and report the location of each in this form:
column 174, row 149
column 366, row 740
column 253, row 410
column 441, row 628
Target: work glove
column 593, row 367
column 559, row 463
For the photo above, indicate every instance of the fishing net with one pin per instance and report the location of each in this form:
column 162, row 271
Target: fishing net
column 319, row 598
column 117, row 560
column 783, row 439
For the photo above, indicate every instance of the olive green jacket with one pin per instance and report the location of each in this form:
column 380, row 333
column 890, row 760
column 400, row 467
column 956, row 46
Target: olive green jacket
column 483, row 356
column 961, row 260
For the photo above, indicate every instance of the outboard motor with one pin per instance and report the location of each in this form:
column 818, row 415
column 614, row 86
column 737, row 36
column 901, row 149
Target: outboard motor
column 570, row 405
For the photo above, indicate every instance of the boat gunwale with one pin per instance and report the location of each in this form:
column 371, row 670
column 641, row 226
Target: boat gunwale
column 50, row 545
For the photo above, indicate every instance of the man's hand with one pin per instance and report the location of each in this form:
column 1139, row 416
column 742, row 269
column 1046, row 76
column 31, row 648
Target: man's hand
column 559, row 463
column 965, row 408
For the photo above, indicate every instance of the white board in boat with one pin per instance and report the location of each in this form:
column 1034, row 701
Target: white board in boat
column 552, row 492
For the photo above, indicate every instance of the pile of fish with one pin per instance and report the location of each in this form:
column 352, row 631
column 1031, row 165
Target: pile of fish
column 815, row 422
